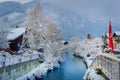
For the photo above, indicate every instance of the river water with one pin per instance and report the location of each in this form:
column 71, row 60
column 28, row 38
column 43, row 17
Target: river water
column 72, row 68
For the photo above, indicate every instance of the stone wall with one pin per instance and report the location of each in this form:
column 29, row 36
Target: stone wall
column 12, row 72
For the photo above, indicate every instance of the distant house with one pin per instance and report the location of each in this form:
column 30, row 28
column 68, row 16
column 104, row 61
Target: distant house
column 116, row 40
column 116, row 36
column 15, row 38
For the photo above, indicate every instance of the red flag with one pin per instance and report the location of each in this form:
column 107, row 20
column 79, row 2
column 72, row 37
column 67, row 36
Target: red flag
column 110, row 38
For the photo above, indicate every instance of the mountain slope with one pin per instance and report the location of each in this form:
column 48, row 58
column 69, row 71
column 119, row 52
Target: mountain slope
column 70, row 23
column 10, row 7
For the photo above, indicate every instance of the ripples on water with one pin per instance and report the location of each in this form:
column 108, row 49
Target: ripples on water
column 71, row 69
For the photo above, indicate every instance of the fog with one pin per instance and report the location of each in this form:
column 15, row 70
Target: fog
column 93, row 10
column 21, row 1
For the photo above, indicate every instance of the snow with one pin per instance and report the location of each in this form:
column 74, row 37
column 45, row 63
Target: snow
column 30, row 54
column 43, row 33
column 15, row 14
column 53, row 54
column 92, row 75
column 15, row 33
column 117, row 33
column 21, row 1
column 88, row 49
column 117, row 50
column 42, row 69
column 14, row 59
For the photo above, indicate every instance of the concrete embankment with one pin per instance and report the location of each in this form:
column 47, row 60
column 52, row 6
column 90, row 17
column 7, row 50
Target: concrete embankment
column 12, row 72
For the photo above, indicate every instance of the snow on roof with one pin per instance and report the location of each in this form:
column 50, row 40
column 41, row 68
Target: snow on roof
column 117, row 33
column 15, row 33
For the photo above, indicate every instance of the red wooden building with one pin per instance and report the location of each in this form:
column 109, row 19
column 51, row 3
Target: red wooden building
column 15, row 38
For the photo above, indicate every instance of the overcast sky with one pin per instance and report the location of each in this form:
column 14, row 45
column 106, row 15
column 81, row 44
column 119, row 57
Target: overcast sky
column 94, row 10
column 21, row 1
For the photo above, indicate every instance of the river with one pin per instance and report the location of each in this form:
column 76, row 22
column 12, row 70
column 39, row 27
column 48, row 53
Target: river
column 72, row 68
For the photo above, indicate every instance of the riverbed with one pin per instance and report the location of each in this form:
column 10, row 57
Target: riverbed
column 72, row 68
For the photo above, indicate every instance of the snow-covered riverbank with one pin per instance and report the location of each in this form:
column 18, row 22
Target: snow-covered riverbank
column 43, row 68
column 88, row 50
column 53, row 56
column 7, row 59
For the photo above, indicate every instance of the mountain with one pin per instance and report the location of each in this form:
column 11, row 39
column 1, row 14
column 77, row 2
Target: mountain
column 13, row 19
column 28, row 5
column 12, row 13
column 10, row 7
column 72, row 24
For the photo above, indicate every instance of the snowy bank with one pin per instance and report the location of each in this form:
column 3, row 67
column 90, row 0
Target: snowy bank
column 42, row 69
column 88, row 50
column 27, row 55
column 91, row 74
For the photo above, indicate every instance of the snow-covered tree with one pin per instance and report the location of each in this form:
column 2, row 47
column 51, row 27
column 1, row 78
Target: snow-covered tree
column 73, row 43
column 53, row 50
column 52, row 33
column 40, row 29
column 3, row 35
column 33, row 36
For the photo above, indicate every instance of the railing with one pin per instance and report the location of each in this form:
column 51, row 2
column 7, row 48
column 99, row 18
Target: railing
column 14, row 71
column 12, row 67
column 109, row 64
column 17, row 59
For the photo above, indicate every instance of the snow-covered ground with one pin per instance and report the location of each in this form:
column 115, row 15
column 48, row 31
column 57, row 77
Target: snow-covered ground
column 6, row 59
column 91, row 75
column 54, row 54
column 43, row 68
column 88, row 49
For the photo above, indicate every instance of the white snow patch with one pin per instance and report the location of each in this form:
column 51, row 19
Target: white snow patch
column 14, row 15
column 92, row 75
column 14, row 59
column 117, row 33
column 41, row 70
column 15, row 33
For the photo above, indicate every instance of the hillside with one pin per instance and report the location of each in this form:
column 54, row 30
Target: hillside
column 72, row 24
column 10, row 7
